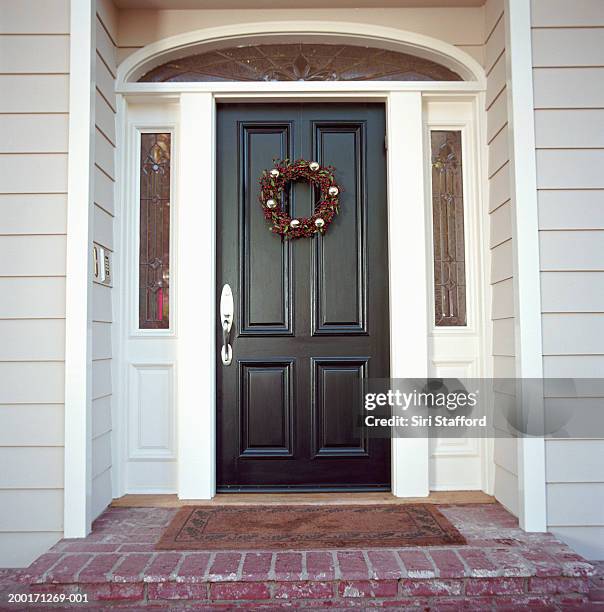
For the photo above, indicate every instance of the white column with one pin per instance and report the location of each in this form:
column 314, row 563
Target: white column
column 525, row 232
column 78, row 294
column 408, row 276
column 196, row 322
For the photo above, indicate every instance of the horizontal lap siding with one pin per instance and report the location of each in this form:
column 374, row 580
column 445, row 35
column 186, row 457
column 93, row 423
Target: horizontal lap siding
column 103, row 235
column 568, row 61
column 33, row 214
column 34, row 80
column 34, row 93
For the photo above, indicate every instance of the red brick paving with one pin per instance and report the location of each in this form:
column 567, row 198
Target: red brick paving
column 448, row 563
column 66, row 570
column 193, row 568
column 596, row 584
column 303, row 590
column 352, row 564
column 225, row 566
column 385, row 565
column 99, row 568
column 417, row 564
column 320, row 565
column 501, row 568
column 176, row 590
column 131, row 567
column 256, row 566
column 495, row 586
column 163, row 567
column 288, row 566
column 374, row 589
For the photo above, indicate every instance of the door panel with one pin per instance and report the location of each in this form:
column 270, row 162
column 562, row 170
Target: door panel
column 340, row 265
column 335, row 431
column 311, row 318
column 262, row 261
column 267, row 394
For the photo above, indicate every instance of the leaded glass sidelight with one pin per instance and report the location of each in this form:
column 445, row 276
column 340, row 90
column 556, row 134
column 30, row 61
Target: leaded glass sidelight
column 300, row 62
column 154, row 253
column 448, row 229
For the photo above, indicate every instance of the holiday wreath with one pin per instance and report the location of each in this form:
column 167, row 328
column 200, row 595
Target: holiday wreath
column 272, row 185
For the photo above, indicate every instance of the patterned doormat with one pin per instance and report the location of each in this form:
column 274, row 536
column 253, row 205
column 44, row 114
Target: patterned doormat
column 306, row 527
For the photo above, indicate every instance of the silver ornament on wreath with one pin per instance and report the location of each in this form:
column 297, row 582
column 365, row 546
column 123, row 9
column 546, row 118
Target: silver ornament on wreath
column 314, row 166
column 319, row 222
column 333, row 191
column 294, row 223
column 271, row 203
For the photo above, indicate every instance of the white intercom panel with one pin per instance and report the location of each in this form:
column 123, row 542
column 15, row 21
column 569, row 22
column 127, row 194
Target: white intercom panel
column 101, row 265
column 107, row 268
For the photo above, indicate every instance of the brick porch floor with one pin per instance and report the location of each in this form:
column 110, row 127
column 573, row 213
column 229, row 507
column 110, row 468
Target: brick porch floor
column 501, row 567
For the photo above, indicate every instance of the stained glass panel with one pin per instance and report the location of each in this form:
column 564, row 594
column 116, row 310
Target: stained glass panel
column 448, row 229
column 154, row 253
column 300, row 62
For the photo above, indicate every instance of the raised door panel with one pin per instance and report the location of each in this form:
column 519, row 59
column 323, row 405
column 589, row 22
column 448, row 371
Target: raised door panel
column 340, row 259
column 337, row 394
column 265, row 266
column 266, row 400
column 151, row 424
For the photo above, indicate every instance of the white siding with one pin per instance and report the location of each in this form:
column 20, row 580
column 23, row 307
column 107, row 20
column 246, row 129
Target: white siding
column 34, row 93
column 104, row 180
column 501, row 242
column 34, row 17
column 34, row 66
column 568, row 57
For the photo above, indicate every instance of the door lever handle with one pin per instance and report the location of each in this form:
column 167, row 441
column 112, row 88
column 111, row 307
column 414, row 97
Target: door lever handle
column 227, row 308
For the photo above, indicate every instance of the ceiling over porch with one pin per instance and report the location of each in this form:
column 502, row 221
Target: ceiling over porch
column 289, row 4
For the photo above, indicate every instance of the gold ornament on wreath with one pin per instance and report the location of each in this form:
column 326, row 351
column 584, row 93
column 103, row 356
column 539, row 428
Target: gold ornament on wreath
column 272, row 185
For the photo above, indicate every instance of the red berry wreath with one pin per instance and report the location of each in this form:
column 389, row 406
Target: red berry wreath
column 272, row 184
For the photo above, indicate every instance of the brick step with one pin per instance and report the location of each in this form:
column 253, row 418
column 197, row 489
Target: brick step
column 553, row 592
column 500, row 567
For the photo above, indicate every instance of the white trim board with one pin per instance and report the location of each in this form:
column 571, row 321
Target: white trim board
column 405, row 127
column 78, row 309
column 259, row 89
column 525, row 232
column 188, row 43
column 196, row 347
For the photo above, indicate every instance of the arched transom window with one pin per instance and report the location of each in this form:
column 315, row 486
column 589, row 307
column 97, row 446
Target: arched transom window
column 300, row 62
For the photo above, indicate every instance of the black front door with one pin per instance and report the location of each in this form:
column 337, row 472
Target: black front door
column 311, row 316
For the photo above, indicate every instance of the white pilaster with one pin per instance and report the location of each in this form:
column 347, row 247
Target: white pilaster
column 408, row 276
column 78, row 298
column 525, row 234
column 196, row 275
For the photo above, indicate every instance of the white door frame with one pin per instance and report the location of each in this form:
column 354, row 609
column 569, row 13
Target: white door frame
column 196, row 352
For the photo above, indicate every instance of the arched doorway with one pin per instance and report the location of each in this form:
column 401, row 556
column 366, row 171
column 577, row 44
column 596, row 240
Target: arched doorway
column 177, row 87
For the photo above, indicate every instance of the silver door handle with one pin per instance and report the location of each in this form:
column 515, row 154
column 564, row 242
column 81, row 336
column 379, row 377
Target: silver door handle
column 227, row 308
